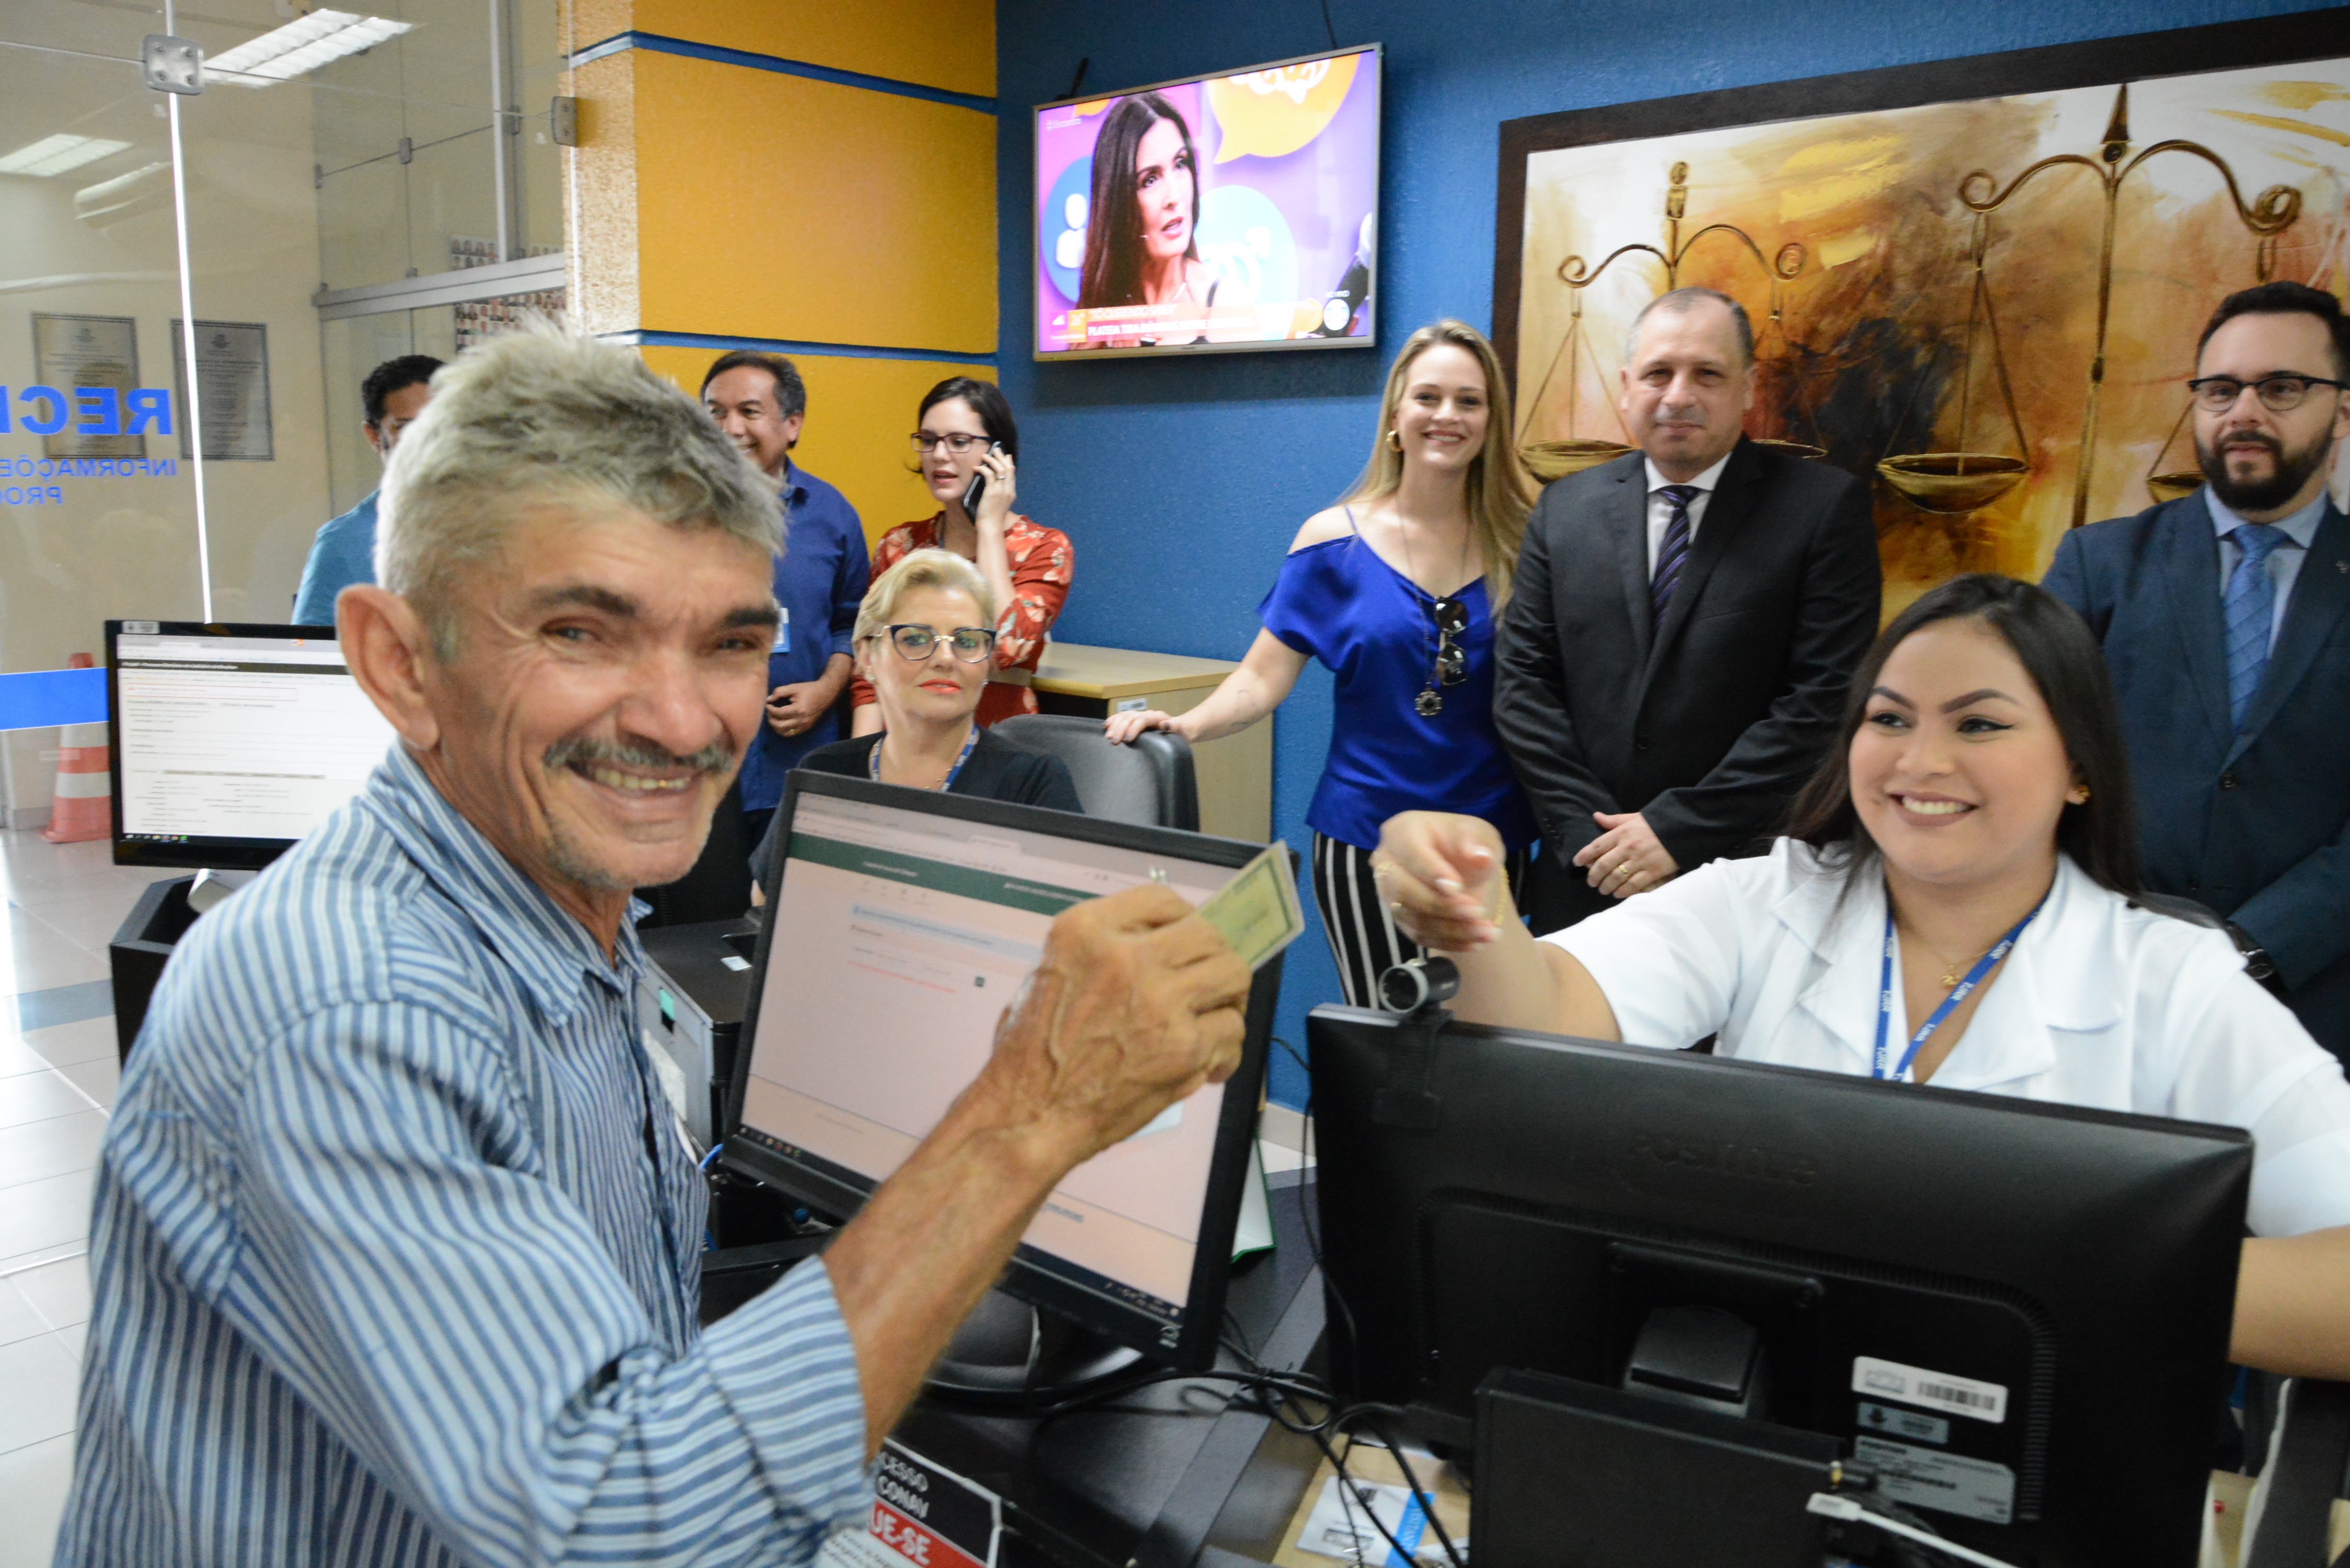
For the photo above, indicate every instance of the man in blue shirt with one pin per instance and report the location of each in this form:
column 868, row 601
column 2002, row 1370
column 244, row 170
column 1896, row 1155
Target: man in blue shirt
column 393, row 394
column 2222, row 614
column 760, row 401
column 394, row 1252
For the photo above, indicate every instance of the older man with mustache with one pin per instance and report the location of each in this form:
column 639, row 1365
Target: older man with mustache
column 2223, row 615
column 395, row 1251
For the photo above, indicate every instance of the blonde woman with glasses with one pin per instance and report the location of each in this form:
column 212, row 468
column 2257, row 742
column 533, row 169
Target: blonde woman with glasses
column 1397, row 589
column 925, row 644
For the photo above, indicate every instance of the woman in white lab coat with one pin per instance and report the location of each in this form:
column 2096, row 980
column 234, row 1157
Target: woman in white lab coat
column 1953, row 903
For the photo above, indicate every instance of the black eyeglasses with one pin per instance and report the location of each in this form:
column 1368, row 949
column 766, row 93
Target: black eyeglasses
column 1452, row 660
column 2278, row 394
column 972, row 644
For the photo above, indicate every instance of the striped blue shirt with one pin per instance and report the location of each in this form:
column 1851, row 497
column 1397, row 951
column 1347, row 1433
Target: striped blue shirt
column 394, row 1256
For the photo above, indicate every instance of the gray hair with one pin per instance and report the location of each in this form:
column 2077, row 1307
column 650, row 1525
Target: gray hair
column 544, row 415
column 1681, row 302
column 930, row 568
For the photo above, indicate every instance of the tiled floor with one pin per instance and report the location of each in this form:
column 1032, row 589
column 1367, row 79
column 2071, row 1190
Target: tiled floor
column 56, row 1078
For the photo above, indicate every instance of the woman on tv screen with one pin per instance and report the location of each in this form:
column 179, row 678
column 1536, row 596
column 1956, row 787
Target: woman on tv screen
column 1142, row 243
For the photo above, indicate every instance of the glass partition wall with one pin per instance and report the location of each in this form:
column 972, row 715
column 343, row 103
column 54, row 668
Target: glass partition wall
column 335, row 195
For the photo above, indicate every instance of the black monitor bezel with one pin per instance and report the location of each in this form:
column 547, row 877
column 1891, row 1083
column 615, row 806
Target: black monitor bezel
column 222, row 854
column 1194, row 1348
column 1288, row 345
column 1372, row 1196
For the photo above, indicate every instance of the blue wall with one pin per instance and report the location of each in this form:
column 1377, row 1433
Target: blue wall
column 1181, row 482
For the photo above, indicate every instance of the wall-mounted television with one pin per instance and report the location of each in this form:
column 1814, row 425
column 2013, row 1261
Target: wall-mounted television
column 1213, row 214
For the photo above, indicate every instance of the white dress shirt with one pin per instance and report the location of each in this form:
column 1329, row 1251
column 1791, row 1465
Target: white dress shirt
column 1661, row 509
column 2099, row 1004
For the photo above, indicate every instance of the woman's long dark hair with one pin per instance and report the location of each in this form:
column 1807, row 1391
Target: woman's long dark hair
column 2058, row 649
column 1113, row 269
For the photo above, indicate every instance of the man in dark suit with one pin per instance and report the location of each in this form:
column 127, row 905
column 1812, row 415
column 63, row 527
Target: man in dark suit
column 2226, row 619
column 1683, row 625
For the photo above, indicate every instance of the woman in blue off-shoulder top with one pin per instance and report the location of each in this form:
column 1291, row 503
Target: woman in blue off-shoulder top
column 1398, row 590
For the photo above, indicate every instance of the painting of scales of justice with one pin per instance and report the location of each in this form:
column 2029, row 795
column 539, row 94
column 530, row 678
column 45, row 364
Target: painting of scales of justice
column 1990, row 307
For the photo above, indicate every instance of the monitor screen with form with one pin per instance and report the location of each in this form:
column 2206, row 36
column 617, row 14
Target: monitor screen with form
column 232, row 742
column 896, row 939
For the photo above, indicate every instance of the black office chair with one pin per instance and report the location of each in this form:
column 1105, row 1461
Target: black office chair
column 1150, row 782
column 2309, row 1454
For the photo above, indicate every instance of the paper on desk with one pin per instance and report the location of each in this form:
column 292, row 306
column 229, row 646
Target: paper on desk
column 1340, row 1526
column 1257, row 912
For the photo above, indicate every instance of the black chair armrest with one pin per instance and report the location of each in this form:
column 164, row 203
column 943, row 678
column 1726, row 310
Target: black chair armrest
column 2305, row 1476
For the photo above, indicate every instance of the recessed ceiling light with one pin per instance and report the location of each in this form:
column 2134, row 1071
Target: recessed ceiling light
column 57, row 154
column 300, row 45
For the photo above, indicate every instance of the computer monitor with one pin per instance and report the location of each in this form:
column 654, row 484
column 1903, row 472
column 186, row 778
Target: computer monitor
column 231, row 743
column 899, row 925
column 2019, row 1312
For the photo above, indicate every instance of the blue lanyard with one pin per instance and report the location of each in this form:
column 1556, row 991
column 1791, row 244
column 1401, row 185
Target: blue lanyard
column 873, row 760
column 1983, row 966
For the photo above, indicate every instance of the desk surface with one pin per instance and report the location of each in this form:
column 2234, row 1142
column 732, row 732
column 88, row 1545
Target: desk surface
column 695, row 956
column 1079, row 669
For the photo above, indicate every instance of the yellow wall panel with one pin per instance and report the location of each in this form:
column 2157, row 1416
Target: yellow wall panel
column 860, row 413
column 777, row 206
column 947, row 43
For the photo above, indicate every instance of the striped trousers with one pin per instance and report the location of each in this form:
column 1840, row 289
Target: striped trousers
column 1364, row 941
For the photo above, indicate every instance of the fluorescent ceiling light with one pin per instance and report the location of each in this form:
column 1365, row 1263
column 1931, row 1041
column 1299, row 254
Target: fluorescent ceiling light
column 301, row 46
column 57, row 154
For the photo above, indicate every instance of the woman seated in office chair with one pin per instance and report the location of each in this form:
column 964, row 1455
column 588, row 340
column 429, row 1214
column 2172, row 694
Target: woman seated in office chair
column 925, row 643
column 1954, row 903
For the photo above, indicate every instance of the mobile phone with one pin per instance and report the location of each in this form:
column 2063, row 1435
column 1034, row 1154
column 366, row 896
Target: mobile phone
column 978, row 486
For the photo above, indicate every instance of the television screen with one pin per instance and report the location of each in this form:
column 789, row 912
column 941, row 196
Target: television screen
column 1219, row 213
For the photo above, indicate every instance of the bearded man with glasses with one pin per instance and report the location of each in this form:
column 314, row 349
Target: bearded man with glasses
column 2223, row 617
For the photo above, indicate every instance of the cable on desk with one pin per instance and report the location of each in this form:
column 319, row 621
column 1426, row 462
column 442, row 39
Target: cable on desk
column 1427, row 1501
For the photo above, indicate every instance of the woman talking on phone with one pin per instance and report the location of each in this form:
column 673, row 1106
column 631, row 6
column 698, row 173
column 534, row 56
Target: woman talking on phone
column 1397, row 589
column 965, row 449
column 1956, row 902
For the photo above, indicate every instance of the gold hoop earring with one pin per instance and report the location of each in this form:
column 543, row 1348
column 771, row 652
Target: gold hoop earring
column 2085, row 796
column 1394, row 441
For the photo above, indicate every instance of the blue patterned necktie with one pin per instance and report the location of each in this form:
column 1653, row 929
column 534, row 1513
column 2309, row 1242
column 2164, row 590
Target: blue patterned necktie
column 2251, row 606
column 1673, row 552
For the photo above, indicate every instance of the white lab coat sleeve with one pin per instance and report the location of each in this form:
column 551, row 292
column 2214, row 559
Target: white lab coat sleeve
column 1669, row 962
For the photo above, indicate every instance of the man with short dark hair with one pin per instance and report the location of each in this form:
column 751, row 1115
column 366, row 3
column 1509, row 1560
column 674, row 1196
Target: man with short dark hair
column 760, row 401
column 1683, row 623
column 2222, row 616
column 393, row 394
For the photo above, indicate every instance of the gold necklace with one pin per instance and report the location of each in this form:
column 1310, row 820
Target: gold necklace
column 1952, row 972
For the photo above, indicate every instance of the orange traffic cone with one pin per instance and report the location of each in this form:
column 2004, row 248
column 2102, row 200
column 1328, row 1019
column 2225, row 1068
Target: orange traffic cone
column 83, row 805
